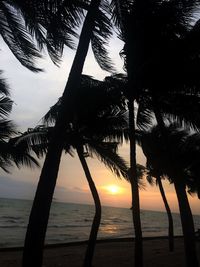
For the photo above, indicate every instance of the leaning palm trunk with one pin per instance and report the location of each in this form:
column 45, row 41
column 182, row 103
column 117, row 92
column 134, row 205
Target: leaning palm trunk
column 133, row 167
column 37, row 226
column 169, row 215
column 187, row 224
column 97, row 218
column 135, row 189
column 184, row 207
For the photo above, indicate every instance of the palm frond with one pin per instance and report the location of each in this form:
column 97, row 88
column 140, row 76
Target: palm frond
column 141, row 173
column 50, row 117
column 16, row 37
column 4, row 87
column 23, row 159
column 52, row 23
column 7, row 129
column 111, row 126
column 101, row 33
column 5, row 106
column 150, row 179
column 106, row 153
column 5, row 160
column 175, row 107
column 144, row 116
column 33, row 140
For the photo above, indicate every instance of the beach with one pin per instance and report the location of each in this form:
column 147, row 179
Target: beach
column 70, row 225
column 112, row 253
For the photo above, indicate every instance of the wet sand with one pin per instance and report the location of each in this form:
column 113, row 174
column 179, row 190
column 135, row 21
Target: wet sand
column 111, row 253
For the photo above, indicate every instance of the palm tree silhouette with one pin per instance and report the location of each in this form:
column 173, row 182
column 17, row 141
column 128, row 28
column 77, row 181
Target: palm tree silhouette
column 176, row 170
column 97, row 134
column 86, row 145
column 144, row 140
column 34, row 241
column 133, row 59
column 155, row 35
column 106, row 121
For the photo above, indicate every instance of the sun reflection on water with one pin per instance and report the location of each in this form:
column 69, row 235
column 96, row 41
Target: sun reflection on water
column 109, row 229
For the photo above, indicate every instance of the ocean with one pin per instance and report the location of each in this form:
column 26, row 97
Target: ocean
column 71, row 222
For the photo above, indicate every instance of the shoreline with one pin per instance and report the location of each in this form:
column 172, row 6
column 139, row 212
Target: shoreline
column 109, row 252
column 84, row 242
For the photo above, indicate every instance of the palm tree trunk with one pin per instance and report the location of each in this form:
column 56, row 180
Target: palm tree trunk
column 169, row 215
column 97, row 218
column 133, row 166
column 187, row 224
column 38, row 220
column 135, row 189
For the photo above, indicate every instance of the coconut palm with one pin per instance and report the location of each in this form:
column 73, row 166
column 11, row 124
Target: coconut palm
column 173, row 106
column 152, row 32
column 106, row 122
column 150, row 173
column 175, row 169
column 85, row 144
column 105, row 152
column 186, row 215
column 34, row 241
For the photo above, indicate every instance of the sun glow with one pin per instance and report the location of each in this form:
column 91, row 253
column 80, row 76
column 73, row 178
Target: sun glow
column 113, row 189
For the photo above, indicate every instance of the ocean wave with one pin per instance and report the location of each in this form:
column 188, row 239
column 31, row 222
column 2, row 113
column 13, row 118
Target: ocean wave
column 11, row 217
column 113, row 221
column 81, row 220
column 13, row 226
column 69, row 225
column 154, row 230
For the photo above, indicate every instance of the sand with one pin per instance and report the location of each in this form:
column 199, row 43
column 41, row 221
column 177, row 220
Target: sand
column 111, row 253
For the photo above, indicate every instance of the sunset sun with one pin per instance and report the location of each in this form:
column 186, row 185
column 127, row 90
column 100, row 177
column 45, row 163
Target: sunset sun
column 113, row 189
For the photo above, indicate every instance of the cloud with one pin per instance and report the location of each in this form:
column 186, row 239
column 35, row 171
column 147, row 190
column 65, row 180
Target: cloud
column 75, row 194
column 10, row 188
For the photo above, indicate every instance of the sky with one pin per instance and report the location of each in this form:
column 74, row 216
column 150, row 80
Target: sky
column 33, row 94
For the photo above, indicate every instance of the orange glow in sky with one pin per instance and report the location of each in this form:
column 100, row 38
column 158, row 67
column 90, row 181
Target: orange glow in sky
column 113, row 189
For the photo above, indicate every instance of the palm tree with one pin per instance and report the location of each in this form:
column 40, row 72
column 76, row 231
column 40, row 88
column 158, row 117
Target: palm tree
column 176, row 170
column 173, row 106
column 96, row 134
column 86, row 143
column 152, row 32
column 143, row 141
column 109, row 157
column 86, row 135
column 46, row 205
column 34, row 241
column 49, row 15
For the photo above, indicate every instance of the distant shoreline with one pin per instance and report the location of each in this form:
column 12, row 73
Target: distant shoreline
column 108, row 252
column 99, row 241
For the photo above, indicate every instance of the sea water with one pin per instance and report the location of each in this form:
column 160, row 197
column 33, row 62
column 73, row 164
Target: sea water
column 72, row 222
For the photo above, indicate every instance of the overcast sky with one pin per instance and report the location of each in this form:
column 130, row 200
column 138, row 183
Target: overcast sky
column 33, row 94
